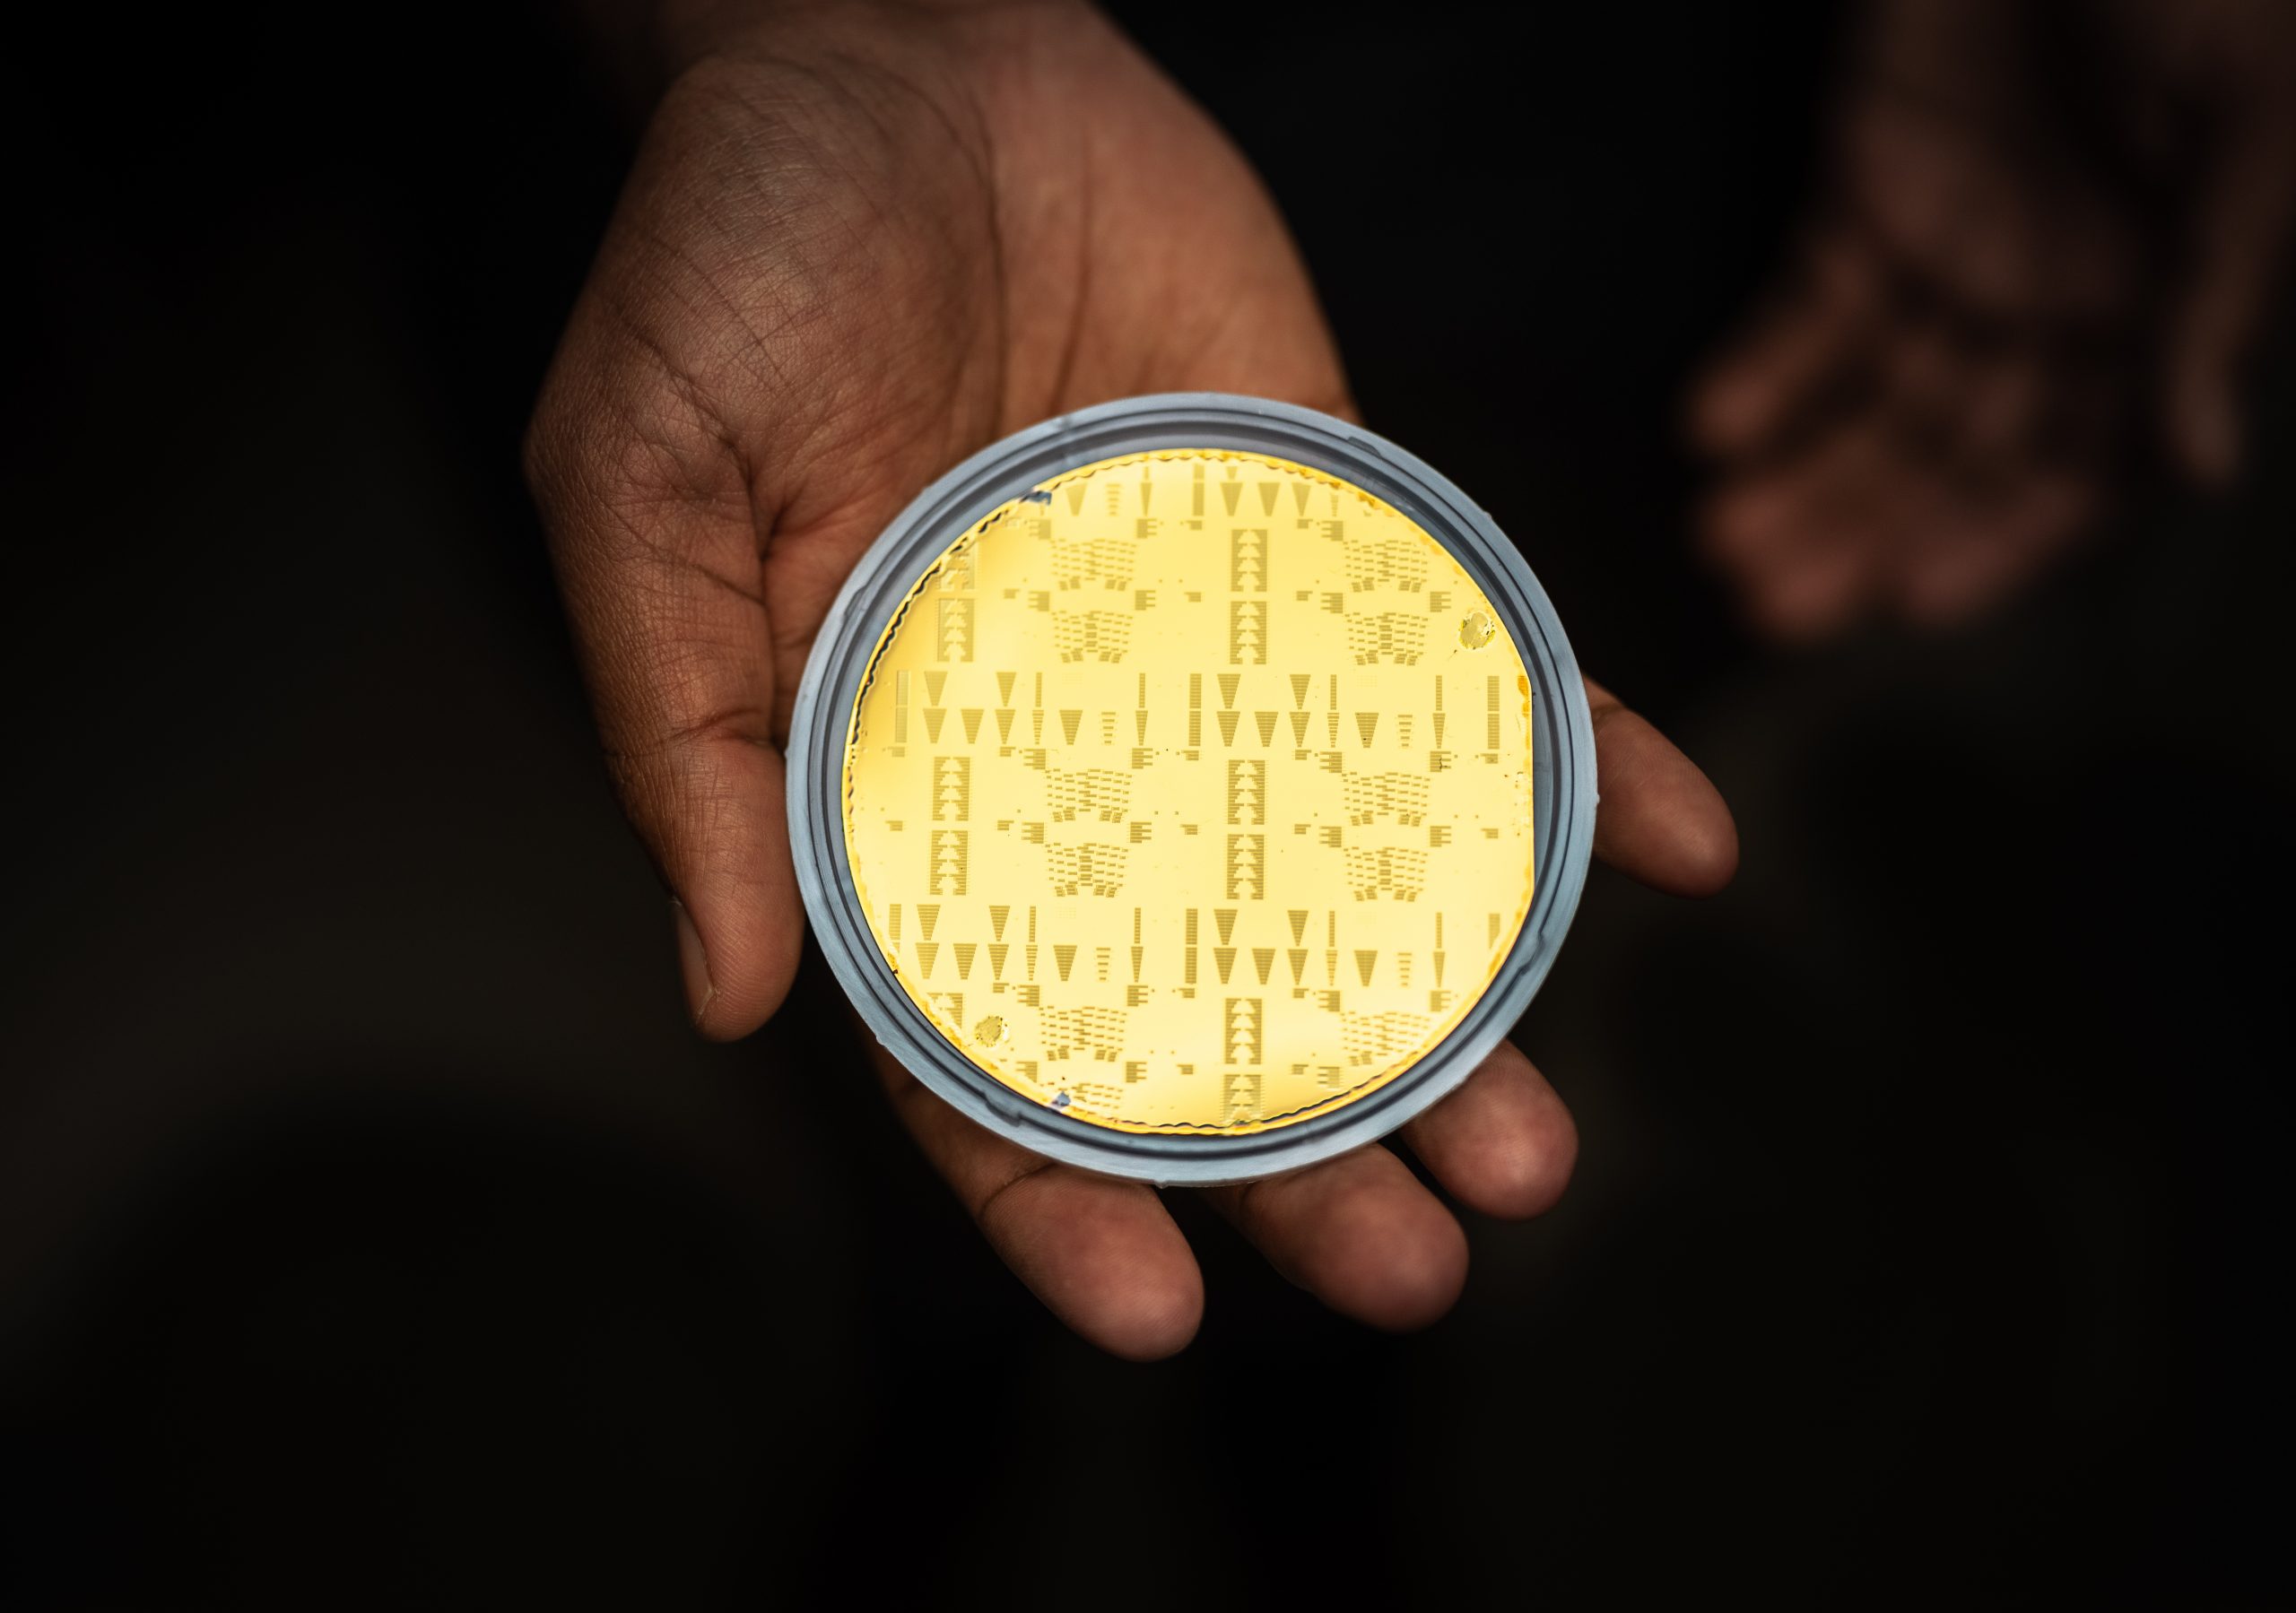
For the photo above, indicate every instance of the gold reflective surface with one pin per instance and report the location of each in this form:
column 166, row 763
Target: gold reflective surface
column 1192, row 793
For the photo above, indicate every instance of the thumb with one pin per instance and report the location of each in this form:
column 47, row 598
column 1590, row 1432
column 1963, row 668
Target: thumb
column 651, row 533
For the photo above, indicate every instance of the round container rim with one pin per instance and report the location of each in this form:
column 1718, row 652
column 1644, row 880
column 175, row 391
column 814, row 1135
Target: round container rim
column 1562, row 792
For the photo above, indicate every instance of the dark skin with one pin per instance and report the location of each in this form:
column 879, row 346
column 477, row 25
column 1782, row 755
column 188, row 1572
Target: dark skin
column 2052, row 233
column 859, row 243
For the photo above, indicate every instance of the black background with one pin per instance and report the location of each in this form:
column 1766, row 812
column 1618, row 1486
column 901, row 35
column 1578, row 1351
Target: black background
column 370, row 1228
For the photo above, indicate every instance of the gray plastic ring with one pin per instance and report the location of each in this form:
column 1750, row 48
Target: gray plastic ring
column 1562, row 802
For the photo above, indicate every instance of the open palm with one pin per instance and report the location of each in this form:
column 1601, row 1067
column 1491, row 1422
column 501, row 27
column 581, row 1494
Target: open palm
column 2051, row 235
column 858, row 246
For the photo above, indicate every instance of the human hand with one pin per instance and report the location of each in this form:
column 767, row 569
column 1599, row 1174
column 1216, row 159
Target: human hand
column 859, row 243
column 2052, row 233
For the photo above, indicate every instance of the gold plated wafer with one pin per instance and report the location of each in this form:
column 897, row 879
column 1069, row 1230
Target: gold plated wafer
column 1191, row 793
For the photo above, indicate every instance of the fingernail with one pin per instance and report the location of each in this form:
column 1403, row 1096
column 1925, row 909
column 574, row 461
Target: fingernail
column 693, row 963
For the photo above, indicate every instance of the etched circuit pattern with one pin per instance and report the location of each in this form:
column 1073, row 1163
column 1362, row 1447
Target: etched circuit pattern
column 1193, row 792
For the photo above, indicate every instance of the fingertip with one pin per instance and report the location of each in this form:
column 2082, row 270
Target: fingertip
column 741, row 925
column 1754, row 392
column 1104, row 1257
column 1795, row 617
column 1417, row 1288
column 1155, row 1323
column 2205, row 435
column 1362, row 1235
column 1661, row 820
column 1706, row 848
column 736, row 974
column 1717, row 414
column 1504, row 1144
column 693, row 965
column 1528, row 1179
column 1942, row 595
column 1739, row 523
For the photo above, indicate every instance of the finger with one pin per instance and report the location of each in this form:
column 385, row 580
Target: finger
column 2239, row 230
column 2003, row 236
column 1761, row 517
column 1939, row 201
column 1104, row 1256
column 1822, row 587
column 1751, row 395
column 1803, row 540
column 1661, row 821
column 651, row 532
column 1968, row 554
column 1358, row 1233
column 1503, row 1143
